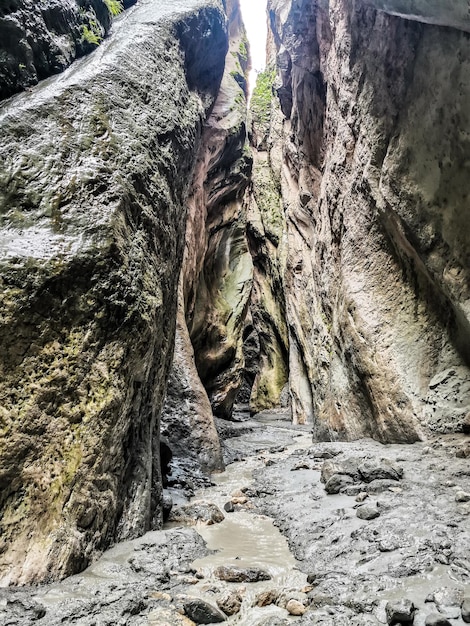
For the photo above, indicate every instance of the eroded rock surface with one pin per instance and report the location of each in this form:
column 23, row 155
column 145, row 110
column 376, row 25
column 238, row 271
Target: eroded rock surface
column 38, row 39
column 372, row 167
column 215, row 280
column 95, row 173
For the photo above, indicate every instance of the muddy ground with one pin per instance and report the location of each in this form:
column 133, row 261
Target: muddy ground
column 395, row 526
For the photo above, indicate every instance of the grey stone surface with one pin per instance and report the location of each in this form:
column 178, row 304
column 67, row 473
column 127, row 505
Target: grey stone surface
column 91, row 243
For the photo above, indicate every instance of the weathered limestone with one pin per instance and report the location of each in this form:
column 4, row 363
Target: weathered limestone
column 375, row 191
column 215, row 281
column 95, row 173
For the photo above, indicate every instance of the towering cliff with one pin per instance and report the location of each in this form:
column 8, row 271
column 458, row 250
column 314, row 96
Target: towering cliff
column 215, row 281
column 373, row 168
column 95, row 174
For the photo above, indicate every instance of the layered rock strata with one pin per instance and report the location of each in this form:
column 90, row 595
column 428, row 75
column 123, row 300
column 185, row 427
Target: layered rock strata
column 215, row 281
column 374, row 180
column 95, row 174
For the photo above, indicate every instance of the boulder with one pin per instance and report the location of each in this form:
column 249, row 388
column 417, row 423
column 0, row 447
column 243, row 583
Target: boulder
column 202, row 612
column 233, row 574
column 400, row 612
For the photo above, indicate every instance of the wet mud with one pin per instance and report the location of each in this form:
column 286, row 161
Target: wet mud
column 330, row 558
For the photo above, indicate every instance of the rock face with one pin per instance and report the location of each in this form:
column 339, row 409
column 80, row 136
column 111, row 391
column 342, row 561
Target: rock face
column 216, row 278
column 372, row 164
column 95, row 172
column 38, row 39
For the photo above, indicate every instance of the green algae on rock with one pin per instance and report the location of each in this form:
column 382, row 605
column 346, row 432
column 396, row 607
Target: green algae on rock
column 94, row 178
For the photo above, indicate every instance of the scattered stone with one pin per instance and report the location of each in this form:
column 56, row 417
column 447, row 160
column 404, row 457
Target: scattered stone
column 367, row 512
column 239, row 500
column 347, row 467
column 379, row 485
column 230, row 602
column 228, row 507
column 294, row 607
column 448, row 601
column 401, row 612
column 167, row 505
column 466, row 424
column 199, row 511
column 361, row 496
column 161, row 595
column 202, row 612
column 465, row 609
column 436, row 619
column 337, row 482
column 376, row 469
column 314, row 453
column 163, row 615
column 462, row 496
column 302, row 465
column 463, row 451
column 266, row 597
column 240, row 575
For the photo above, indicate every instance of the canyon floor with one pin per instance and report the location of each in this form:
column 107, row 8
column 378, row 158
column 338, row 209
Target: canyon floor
column 398, row 530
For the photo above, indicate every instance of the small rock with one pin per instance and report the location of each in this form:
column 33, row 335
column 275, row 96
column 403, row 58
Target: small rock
column 367, row 512
column 240, row 500
column 267, row 597
column 362, row 496
column 448, row 601
column 375, row 469
column 228, row 507
column 294, row 607
column 300, row 466
column 401, row 612
column 462, row 496
column 436, row 619
column 167, row 505
column 466, row 610
column 239, row 575
column 230, row 602
column 337, row 482
column 466, row 424
column 379, row 485
column 199, row 511
column 202, row 612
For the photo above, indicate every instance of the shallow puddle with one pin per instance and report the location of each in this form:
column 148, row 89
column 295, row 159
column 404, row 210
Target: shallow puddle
column 248, row 540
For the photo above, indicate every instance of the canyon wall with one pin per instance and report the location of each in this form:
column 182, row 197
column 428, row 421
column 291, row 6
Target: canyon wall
column 216, row 277
column 96, row 170
column 372, row 160
column 42, row 37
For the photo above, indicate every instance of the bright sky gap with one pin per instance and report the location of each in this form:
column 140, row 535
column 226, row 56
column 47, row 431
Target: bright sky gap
column 254, row 18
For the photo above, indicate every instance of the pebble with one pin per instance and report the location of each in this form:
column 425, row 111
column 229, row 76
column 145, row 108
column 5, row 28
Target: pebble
column 362, row 496
column 266, row 597
column 462, row 496
column 230, row 602
column 202, row 612
column 401, row 612
column 294, row 607
column 367, row 512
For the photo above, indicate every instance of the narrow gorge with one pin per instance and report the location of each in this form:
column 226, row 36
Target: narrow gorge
column 192, row 282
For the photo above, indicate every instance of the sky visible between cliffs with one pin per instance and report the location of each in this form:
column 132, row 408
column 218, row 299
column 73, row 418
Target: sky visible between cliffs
column 254, row 18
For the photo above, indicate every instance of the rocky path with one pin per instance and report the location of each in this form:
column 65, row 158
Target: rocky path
column 380, row 534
